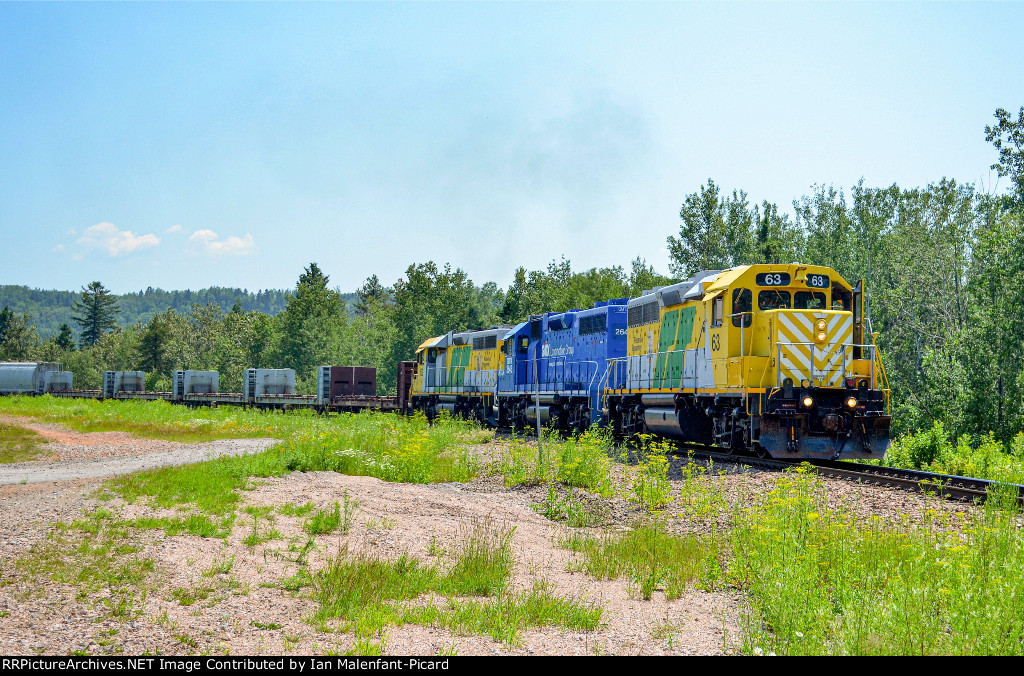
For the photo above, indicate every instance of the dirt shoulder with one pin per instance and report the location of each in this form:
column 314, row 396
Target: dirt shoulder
column 125, row 462
column 245, row 594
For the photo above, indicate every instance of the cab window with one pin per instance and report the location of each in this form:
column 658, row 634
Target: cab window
column 523, row 345
column 809, row 300
column 717, row 310
column 773, row 300
column 841, row 298
column 742, row 301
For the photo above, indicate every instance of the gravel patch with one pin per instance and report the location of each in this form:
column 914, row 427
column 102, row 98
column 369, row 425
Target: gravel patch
column 124, row 462
column 242, row 604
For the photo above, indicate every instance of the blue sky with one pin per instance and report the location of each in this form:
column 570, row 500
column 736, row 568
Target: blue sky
column 190, row 145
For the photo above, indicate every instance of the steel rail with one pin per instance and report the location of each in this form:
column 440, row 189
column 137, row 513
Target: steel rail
column 947, row 486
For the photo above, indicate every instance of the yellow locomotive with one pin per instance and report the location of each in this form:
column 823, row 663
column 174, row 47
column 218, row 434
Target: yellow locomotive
column 458, row 373
column 772, row 358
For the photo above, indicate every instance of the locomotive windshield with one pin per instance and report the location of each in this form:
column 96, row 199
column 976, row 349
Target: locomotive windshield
column 809, row 300
column 773, row 300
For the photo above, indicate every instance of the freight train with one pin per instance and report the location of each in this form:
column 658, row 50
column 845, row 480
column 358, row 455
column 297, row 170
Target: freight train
column 773, row 359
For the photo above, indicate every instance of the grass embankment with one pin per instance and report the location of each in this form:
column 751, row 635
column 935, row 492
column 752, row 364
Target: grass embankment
column 819, row 580
column 815, row 579
column 18, row 444
column 389, row 447
column 979, row 456
column 154, row 419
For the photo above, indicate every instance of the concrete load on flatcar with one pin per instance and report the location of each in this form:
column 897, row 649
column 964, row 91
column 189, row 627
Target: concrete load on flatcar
column 194, row 382
column 33, row 378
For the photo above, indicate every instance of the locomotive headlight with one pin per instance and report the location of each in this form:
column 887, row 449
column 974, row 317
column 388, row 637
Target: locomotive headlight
column 808, row 402
column 851, row 402
column 822, row 325
column 821, row 336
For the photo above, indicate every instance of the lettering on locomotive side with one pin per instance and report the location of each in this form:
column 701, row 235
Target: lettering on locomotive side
column 564, row 351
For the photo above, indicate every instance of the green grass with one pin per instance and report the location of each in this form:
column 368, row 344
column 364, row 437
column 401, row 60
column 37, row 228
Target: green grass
column 483, row 560
column 570, row 509
column 368, row 594
column 581, row 462
column 701, row 494
column 649, row 559
column 258, row 537
column 193, row 524
column 824, row 581
column 389, row 447
column 980, row 456
column 323, row 521
column 18, row 444
column 290, row 509
column 647, row 480
column 386, row 446
column 340, row 519
column 99, row 555
column 151, row 419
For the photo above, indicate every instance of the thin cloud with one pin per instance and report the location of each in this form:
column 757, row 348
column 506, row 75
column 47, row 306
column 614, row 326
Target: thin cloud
column 173, row 229
column 58, row 249
column 107, row 237
column 208, row 243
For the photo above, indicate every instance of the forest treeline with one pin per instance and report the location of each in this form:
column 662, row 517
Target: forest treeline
column 50, row 309
column 943, row 265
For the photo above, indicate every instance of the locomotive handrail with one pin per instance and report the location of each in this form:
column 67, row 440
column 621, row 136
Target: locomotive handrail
column 845, row 348
column 615, row 369
column 742, row 325
column 881, row 366
column 559, row 369
column 489, row 384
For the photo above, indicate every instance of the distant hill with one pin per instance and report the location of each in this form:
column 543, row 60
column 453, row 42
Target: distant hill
column 50, row 309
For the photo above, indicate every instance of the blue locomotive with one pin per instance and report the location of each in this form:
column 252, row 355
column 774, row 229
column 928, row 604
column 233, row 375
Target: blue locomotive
column 556, row 366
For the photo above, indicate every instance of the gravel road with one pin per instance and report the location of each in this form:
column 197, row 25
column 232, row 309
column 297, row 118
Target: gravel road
column 179, row 454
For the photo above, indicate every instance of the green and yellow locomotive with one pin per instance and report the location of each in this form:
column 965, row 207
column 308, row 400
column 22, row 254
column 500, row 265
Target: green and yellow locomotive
column 458, row 373
column 771, row 358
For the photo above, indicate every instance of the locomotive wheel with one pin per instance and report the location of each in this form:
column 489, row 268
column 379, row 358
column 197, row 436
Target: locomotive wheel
column 632, row 422
column 579, row 419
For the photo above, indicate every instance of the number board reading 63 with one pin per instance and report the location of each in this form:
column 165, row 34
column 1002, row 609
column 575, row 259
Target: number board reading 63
column 772, row 279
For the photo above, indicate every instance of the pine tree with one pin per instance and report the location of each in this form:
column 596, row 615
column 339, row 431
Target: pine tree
column 65, row 339
column 153, row 346
column 370, row 294
column 95, row 311
column 6, row 317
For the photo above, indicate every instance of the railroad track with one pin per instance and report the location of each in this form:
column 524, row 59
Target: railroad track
column 951, row 487
column 967, row 489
